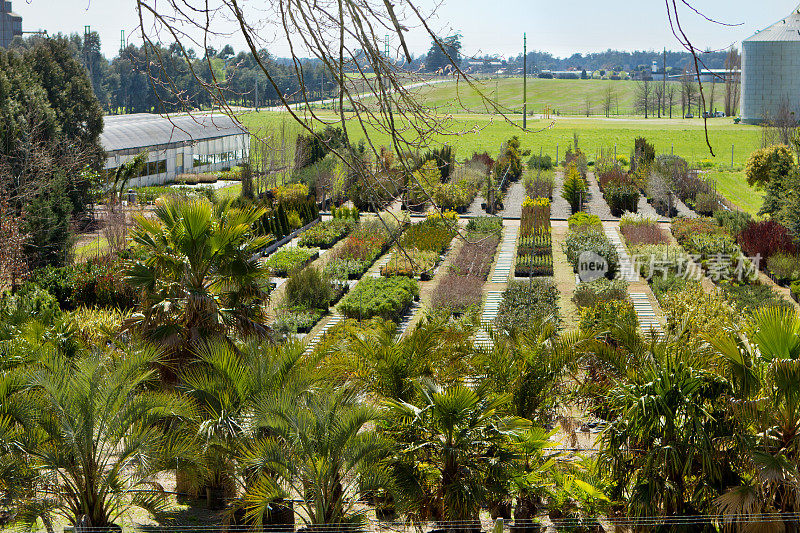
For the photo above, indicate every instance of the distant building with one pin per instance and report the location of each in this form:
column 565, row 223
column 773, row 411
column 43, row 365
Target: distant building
column 179, row 144
column 10, row 24
column 770, row 64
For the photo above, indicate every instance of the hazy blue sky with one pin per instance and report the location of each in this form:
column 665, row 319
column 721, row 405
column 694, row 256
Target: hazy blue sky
column 489, row 26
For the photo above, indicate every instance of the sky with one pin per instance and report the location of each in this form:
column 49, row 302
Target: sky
column 560, row 27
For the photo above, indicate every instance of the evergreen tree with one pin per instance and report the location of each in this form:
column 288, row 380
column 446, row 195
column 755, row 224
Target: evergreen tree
column 47, row 223
column 437, row 59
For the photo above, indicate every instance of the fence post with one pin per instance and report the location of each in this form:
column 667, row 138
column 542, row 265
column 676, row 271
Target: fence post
column 498, row 526
column 732, row 157
column 557, row 154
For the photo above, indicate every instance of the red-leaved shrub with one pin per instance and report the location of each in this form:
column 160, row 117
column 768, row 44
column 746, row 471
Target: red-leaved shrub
column 766, row 238
column 636, row 234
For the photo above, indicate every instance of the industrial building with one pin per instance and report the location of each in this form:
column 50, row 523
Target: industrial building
column 177, row 144
column 770, row 66
column 10, row 24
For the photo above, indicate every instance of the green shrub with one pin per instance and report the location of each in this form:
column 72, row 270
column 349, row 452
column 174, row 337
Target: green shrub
column 582, row 221
column 664, row 286
column 410, row 262
column 574, row 188
column 288, row 259
column 485, row 225
column 540, row 162
column 421, row 186
column 659, row 260
column 327, row 233
column 599, row 291
column 525, row 302
column 733, row 221
column 540, row 184
column 431, row 235
column 387, row 298
column 784, row 267
column 344, row 269
column 291, row 195
column 795, row 288
column 308, row 289
column 747, row 298
column 578, row 242
column 622, row 198
column 30, row 302
column 607, row 315
column 293, row 321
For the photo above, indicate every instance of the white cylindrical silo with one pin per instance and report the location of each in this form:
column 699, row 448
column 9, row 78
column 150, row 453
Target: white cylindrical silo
column 771, row 71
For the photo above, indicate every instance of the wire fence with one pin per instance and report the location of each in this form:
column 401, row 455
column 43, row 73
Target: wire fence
column 539, row 524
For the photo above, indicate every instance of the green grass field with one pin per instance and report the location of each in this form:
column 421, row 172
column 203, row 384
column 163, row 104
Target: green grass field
column 734, row 187
column 568, row 97
column 479, row 133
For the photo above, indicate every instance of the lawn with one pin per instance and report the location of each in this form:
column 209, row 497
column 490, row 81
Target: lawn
column 479, row 133
column 567, row 97
column 734, row 187
column 89, row 248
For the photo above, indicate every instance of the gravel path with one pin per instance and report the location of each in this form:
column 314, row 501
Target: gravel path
column 596, row 204
column 559, row 208
column 647, row 210
column 683, row 209
column 512, row 202
column 475, row 208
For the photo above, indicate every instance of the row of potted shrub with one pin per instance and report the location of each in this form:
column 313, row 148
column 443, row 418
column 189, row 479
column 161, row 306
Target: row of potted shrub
column 534, row 241
column 422, row 246
column 586, row 235
column 460, row 288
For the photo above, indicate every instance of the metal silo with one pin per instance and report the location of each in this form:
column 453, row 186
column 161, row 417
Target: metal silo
column 771, row 70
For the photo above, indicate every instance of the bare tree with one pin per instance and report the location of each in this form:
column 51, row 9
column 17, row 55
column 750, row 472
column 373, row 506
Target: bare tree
column 348, row 37
column 658, row 98
column 688, row 92
column 780, row 127
column 608, row 99
column 712, row 96
column 732, row 82
column 587, row 105
column 670, row 98
column 643, row 97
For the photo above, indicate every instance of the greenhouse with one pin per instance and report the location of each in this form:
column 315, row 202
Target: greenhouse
column 182, row 144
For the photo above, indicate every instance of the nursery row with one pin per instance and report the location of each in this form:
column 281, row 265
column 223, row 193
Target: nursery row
column 460, row 289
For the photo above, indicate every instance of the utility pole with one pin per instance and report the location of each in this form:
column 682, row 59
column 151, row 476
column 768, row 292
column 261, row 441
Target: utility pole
column 256, row 98
column 122, row 40
column 524, row 81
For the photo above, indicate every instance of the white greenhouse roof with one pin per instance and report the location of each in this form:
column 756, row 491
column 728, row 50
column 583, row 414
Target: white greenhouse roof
column 786, row 29
column 140, row 130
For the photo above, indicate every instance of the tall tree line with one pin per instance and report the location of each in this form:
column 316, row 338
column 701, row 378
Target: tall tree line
column 140, row 78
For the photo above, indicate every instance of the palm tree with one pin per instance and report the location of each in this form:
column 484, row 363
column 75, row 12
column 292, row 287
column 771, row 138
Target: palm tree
column 127, row 171
column 666, row 450
column 227, row 383
column 764, row 366
column 318, row 445
column 532, row 366
column 449, row 444
column 96, row 429
column 377, row 361
column 200, row 278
